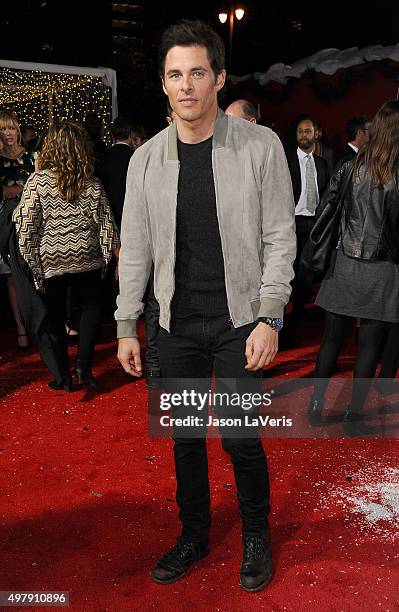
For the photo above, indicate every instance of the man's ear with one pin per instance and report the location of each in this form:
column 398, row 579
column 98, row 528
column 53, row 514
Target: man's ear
column 163, row 86
column 220, row 80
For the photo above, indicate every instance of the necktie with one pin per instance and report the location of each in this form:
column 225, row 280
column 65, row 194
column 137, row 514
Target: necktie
column 311, row 192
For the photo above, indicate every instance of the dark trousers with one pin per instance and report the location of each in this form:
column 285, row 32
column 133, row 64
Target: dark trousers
column 303, row 282
column 198, row 347
column 370, row 338
column 86, row 288
column 151, row 313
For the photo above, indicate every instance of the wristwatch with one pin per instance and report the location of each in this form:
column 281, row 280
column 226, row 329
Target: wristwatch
column 275, row 324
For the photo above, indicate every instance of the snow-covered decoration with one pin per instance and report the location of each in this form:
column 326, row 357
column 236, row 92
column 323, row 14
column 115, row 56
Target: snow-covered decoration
column 327, row 61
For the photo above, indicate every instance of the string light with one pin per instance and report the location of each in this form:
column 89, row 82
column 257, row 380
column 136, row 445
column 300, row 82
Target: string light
column 38, row 98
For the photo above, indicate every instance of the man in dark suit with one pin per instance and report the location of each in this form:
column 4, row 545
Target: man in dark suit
column 309, row 175
column 321, row 149
column 357, row 130
column 117, row 163
column 127, row 138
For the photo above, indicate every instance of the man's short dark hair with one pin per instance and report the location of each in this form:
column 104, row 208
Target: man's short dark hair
column 355, row 124
column 188, row 33
column 249, row 110
column 121, row 128
column 307, row 118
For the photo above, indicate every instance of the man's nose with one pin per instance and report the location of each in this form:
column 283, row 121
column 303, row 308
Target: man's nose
column 187, row 83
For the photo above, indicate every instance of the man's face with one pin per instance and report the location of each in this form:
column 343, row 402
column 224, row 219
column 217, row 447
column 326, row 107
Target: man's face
column 190, row 83
column 305, row 135
column 363, row 134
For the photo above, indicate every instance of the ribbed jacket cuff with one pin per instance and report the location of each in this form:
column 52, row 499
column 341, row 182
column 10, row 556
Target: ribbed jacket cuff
column 269, row 307
column 126, row 328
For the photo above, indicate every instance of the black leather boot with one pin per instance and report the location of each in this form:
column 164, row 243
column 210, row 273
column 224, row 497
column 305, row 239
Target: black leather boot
column 173, row 566
column 84, row 376
column 256, row 566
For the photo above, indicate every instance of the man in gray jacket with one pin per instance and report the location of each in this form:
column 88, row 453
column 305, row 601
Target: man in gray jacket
column 208, row 201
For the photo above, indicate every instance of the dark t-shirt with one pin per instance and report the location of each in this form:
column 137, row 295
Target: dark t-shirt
column 199, row 269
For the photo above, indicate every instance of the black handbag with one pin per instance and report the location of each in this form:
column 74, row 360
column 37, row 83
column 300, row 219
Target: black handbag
column 324, row 236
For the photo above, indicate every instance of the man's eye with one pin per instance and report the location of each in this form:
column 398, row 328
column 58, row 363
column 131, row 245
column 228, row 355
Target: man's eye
column 198, row 74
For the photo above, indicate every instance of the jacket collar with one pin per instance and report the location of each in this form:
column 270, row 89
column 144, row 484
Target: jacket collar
column 219, row 136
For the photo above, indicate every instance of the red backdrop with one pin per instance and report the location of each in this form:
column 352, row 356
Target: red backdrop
column 332, row 100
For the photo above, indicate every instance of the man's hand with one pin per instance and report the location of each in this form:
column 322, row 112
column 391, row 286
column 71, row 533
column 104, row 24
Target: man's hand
column 129, row 356
column 261, row 347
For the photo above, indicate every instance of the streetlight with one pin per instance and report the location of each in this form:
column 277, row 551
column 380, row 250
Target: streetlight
column 237, row 13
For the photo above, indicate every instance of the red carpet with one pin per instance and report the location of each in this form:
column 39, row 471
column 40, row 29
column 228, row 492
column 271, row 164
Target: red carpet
column 87, row 502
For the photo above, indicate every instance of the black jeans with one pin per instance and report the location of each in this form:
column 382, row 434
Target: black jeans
column 198, row 347
column 151, row 313
column 87, row 289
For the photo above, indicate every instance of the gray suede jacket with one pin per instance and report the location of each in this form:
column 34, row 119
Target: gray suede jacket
column 255, row 209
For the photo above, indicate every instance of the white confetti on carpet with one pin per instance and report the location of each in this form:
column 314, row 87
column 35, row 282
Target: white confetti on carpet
column 372, row 495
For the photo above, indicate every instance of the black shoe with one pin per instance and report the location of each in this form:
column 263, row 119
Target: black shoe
column 84, row 377
column 256, row 567
column 354, row 425
column 64, row 383
column 173, row 566
column 315, row 410
column 153, row 379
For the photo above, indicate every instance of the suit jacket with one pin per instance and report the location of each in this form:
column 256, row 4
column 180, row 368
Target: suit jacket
column 295, row 171
column 116, row 166
column 327, row 154
column 347, row 154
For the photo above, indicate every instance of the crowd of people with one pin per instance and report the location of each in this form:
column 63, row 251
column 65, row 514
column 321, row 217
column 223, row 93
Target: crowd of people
column 311, row 165
column 217, row 222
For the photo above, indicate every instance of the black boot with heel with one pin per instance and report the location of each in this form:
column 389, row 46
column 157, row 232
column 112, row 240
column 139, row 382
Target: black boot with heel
column 84, row 376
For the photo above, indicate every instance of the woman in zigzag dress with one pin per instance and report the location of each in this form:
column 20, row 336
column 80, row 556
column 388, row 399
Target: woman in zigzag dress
column 67, row 234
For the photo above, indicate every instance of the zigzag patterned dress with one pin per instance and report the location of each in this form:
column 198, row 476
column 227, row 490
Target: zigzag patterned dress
column 58, row 237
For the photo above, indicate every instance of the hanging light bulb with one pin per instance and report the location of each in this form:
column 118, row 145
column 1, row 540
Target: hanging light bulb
column 222, row 17
column 239, row 13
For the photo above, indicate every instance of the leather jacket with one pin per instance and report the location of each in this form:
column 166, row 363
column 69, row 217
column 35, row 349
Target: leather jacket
column 369, row 226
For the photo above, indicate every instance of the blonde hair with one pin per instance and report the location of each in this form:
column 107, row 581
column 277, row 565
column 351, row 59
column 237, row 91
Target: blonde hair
column 9, row 119
column 66, row 151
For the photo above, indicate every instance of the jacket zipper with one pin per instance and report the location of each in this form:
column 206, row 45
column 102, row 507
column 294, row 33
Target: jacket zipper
column 231, row 321
column 174, row 249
